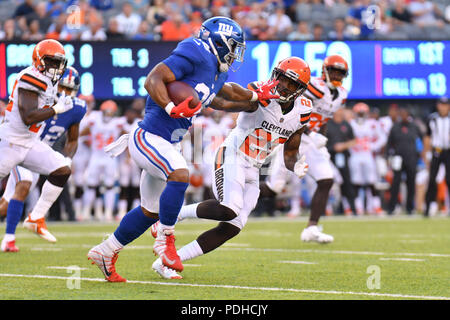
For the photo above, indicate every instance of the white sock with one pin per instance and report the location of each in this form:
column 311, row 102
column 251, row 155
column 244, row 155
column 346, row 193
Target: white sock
column 9, row 237
column 190, row 251
column 189, row 211
column 88, row 201
column 111, row 244
column 110, row 198
column 49, row 194
column 167, row 230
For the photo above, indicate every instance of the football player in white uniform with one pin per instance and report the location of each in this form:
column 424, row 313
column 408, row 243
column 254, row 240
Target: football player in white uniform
column 104, row 127
column 33, row 100
column 327, row 95
column 238, row 160
column 369, row 140
column 129, row 172
column 22, row 180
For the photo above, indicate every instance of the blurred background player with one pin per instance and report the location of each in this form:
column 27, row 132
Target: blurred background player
column 21, row 181
column 402, row 148
column 33, row 100
column 129, row 172
column 438, row 143
column 104, row 127
column 369, row 140
column 340, row 140
column 81, row 159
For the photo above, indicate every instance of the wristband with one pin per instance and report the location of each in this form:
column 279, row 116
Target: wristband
column 254, row 96
column 169, row 107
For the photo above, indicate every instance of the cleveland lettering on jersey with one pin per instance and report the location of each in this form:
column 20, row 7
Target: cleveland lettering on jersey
column 276, row 129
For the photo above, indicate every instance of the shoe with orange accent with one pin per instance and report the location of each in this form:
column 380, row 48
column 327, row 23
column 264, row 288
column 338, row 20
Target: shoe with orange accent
column 348, row 212
column 39, row 227
column 106, row 263
column 154, row 229
column 9, row 246
column 164, row 247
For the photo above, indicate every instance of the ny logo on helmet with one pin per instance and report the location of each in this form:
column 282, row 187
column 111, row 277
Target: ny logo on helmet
column 225, row 28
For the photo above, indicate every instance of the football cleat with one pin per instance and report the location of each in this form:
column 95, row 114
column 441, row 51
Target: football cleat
column 165, row 272
column 9, row 246
column 313, row 233
column 106, row 263
column 40, row 228
column 164, row 247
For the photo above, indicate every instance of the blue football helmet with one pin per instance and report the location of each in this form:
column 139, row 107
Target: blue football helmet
column 226, row 39
column 70, row 80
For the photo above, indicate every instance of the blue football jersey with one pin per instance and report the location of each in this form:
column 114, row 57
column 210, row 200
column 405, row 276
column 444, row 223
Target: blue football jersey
column 57, row 125
column 193, row 63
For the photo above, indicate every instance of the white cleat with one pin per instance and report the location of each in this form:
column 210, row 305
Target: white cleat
column 165, row 272
column 314, row 233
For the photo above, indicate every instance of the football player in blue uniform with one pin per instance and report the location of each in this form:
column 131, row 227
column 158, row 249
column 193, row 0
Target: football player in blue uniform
column 22, row 180
column 202, row 62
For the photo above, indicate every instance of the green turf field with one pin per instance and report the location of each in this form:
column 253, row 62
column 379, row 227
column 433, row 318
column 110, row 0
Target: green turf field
column 409, row 258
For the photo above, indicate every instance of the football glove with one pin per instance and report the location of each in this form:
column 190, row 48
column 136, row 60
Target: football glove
column 301, row 167
column 264, row 91
column 182, row 110
column 64, row 104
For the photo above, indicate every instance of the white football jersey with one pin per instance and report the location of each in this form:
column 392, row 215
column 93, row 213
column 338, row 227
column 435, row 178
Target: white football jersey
column 258, row 133
column 368, row 134
column 103, row 132
column 13, row 129
column 128, row 127
column 325, row 102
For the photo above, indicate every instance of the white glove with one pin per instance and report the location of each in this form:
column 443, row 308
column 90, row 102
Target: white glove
column 319, row 139
column 64, row 104
column 301, row 167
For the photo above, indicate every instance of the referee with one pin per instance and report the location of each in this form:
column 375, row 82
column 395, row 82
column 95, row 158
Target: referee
column 438, row 140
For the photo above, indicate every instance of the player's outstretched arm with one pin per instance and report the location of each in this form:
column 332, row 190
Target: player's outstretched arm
column 28, row 108
column 72, row 140
column 220, row 103
column 235, row 92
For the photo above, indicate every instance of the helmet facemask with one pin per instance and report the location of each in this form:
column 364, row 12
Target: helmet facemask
column 289, row 86
column 54, row 66
column 334, row 76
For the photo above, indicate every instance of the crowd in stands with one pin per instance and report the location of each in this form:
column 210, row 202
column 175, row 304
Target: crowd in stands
column 174, row 20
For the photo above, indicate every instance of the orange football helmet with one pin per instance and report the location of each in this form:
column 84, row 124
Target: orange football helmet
column 109, row 107
column 334, row 70
column 49, row 58
column 293, row 75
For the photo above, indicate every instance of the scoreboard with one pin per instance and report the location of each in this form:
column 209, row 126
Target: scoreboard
column 108, row 70
column 378, row 69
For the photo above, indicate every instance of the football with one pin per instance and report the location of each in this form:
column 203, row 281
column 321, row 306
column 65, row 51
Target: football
column 179, row 91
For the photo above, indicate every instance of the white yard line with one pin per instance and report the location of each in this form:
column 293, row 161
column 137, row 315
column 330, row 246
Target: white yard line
column 297, row 262
column 371, row 294
column 402, row 259
column 65, row 268
column 440, row 255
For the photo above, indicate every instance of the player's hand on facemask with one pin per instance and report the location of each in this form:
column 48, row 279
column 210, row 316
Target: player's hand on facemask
column 64, row 104
column 182, row 110
column 264, row 90
column 301, row 167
